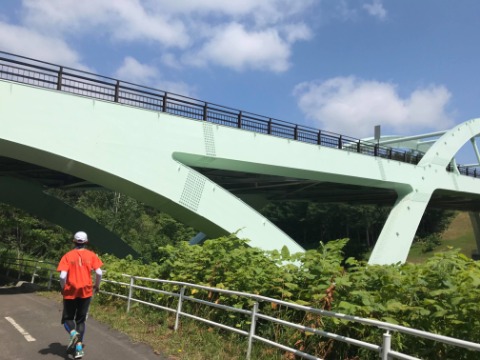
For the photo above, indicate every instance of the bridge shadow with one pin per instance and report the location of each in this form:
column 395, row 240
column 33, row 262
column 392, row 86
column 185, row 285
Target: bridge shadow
column 8, row 288
column 55, row 349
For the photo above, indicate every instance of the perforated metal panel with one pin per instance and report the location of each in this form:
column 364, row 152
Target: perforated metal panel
column 209, row 139
column 192, row 191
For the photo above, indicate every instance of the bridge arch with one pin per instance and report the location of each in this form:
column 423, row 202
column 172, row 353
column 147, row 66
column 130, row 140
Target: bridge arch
column 399, row 230
column 152, row 155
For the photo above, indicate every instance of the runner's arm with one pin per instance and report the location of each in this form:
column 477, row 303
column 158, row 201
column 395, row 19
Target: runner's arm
column 98, row 279
column 63, row 279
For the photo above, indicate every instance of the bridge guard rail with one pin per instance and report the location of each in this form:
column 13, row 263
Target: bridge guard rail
column 255, row 314
column 42, row 74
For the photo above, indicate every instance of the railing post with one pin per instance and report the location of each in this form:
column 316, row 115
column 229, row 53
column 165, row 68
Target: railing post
column 387, row 346
column 319, row 137
column 295, row 132
column 164, row 103
column 130, row 292
column 358, row 147
column 252, row 329
column 239, row 121
column 340, row 142
column 117, row 91
column 269, row 129
column 179, row 308
column 375, row 150
column 59, row 78
column 205, row 112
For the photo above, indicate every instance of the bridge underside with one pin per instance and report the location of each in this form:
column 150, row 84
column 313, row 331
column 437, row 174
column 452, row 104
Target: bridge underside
column 258, row 188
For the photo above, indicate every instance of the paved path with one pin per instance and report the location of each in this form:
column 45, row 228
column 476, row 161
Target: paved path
column 30, row 329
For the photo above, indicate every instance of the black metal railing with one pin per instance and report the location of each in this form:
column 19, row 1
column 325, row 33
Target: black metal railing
column 42, row 74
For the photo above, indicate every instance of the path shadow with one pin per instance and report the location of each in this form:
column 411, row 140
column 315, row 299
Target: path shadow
column 56, row 349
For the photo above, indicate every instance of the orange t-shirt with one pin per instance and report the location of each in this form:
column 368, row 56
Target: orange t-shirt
column 79, row 264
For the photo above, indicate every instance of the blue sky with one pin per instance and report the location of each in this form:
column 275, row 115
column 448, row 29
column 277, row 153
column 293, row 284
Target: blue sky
column 411, row 66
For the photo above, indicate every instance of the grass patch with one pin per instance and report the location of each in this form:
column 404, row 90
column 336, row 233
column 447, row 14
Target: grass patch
column 459, row 235
column 192, row 341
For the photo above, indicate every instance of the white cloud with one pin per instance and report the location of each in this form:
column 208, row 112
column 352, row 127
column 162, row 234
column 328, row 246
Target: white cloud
column 177, row 87
column 121, row 20
column 265, row 31
column 133, row 71
column 352, row 106
column 22, row 41
column 237, row 48
column 376, row 9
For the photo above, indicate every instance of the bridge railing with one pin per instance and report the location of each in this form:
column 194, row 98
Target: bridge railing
column 46, row 75
column 180, row 294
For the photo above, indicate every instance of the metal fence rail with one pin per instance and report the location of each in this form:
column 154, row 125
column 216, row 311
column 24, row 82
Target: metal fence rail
column 35, row 271
column 46, row 75
column 44, row 270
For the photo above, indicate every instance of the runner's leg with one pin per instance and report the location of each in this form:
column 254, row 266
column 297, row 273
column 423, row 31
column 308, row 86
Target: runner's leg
column 68, row 315
column 82, row 306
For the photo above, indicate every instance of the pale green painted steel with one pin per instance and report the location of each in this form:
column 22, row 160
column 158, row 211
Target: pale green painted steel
column 147, row 154
column 431, row 174
column 129, row 150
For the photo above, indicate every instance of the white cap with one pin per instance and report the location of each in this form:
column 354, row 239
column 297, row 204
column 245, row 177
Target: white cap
column 80, row 237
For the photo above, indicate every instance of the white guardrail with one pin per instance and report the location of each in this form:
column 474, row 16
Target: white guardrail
column 43, row 270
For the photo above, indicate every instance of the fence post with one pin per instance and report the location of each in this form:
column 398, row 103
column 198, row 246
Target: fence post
column 34, row 272
column 252, row 329
column 239, row 122
column 130, row 292
column 50, row 276
column 387, row 346
column 21, row 269
column 179, row 308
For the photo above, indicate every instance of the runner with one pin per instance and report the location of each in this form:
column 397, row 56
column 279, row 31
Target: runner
column 75, row 269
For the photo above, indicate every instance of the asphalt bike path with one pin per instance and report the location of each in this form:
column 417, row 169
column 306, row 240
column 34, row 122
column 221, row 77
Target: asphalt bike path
column 30, row 329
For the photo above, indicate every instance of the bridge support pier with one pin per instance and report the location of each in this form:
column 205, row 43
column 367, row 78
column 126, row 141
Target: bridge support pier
column 398, row 233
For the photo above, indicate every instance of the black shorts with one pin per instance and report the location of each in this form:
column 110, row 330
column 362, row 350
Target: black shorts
column 76, row 309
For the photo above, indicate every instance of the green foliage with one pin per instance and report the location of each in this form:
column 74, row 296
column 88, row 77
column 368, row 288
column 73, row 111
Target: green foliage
column 306, row 222
column 439, row 296
column 24, row 233
column 430, row 242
